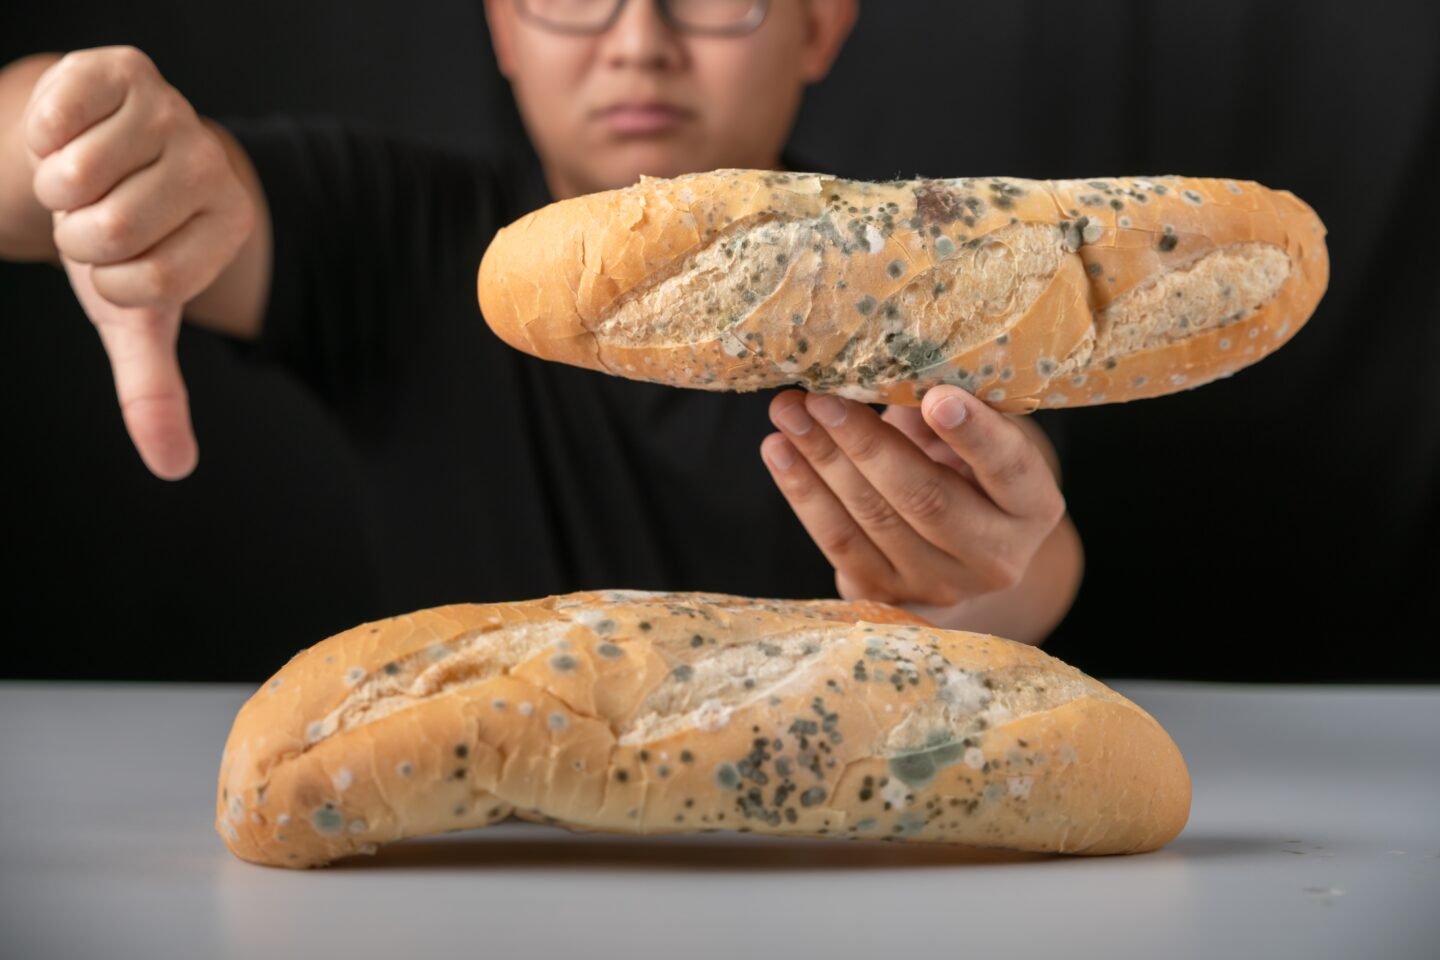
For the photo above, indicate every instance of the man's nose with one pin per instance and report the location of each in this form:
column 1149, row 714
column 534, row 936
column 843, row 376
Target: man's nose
column 641, row 37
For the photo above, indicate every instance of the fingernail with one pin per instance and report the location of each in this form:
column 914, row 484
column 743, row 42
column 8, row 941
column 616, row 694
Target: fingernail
column 780, row 455
column 828, row 410
column 950, row 412
column 793, row 419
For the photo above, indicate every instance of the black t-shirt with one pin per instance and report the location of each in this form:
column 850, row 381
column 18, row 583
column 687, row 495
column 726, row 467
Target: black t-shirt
column 491, row 475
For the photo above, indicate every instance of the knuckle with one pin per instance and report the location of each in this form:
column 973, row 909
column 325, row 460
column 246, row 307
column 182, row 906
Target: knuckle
column 825, row 455
column 73, row 170
column 873, row 510
column 799, row 489
column 170, row 112
column 154, row 279
column 73, row 174
column 841, row 541
column 130, row 62
column 866, row 445
column 112, row 231
column 926, row 499
column 164, row 115
column 50, row 121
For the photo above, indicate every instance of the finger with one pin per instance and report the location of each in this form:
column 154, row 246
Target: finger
column 42, row 83
column 86, row 168
column 73, row 95
column 145, row 208
column 848, row 588
column 1009, row 468
column 909, row 421
column 827, row 522
column 884, row 520
column 930, row 500
column 153, row 402
column 177, row 268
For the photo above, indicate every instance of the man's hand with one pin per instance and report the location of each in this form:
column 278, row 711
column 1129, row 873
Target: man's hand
column 147, row 212
column 940, row 507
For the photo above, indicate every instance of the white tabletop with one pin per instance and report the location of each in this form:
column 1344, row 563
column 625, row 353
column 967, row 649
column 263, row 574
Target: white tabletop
column 1315, row 833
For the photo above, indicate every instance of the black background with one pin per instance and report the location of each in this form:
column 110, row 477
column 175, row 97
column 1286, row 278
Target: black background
column 1280, row 525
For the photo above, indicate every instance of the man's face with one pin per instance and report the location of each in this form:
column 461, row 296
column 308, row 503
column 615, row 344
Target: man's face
column 642, row 97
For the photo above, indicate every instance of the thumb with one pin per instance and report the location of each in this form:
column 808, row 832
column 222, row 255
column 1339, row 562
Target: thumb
column 140, row 342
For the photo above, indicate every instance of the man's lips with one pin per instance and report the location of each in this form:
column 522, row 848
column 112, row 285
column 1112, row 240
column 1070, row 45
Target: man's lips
column 631, row 119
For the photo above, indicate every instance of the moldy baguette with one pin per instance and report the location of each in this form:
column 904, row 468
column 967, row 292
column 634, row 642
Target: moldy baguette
column 1026, row 293
column 657, row 713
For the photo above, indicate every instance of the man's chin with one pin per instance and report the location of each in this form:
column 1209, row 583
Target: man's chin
column 628, row 162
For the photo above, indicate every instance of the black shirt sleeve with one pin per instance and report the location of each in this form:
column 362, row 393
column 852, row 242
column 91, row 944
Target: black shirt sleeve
column 370, row 236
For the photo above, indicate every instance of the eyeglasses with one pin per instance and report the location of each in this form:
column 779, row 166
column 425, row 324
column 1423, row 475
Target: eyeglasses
column 715, row 18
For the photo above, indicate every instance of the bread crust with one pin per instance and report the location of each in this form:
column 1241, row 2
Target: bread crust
column 745, row 279
column 660, row 713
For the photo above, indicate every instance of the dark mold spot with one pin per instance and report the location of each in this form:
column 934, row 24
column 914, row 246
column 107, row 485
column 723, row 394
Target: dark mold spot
column 727, row 776
column 917, row 769
column 939, row 205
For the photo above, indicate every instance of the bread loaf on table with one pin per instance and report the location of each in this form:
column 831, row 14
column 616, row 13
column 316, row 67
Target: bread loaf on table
column 1026, row 293
column 658, row 713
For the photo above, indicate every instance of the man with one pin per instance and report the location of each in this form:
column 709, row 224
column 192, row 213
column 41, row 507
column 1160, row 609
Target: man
column 351, row 262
